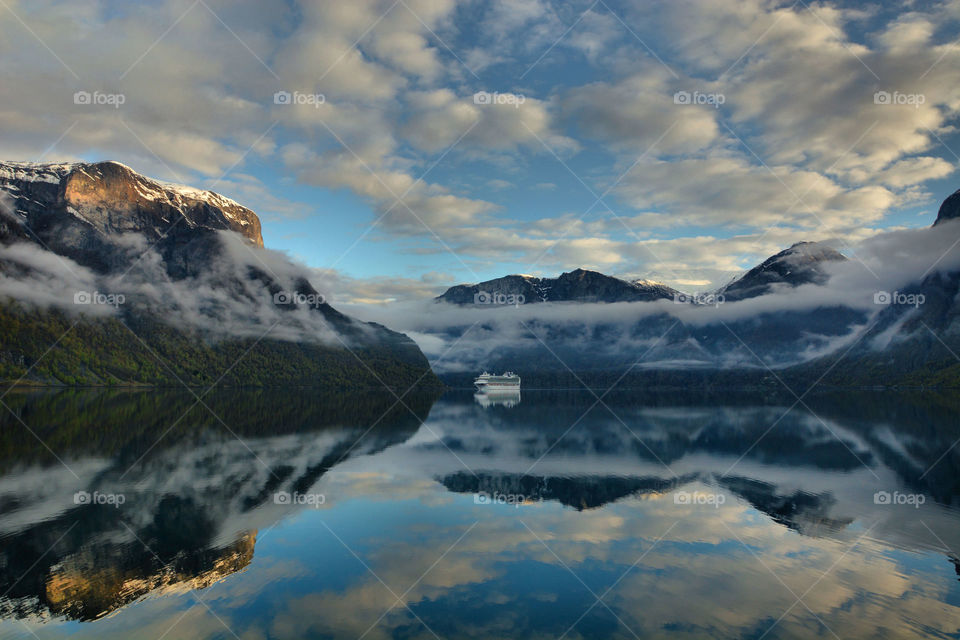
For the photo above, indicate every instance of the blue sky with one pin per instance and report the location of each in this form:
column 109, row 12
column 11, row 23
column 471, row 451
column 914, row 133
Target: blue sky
column 402, row 183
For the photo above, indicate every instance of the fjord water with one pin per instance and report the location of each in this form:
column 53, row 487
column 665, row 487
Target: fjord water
column 266, row 514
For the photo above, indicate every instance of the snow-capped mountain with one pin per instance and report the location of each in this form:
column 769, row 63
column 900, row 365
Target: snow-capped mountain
column 888, row 315
column 579, row 285
column 78, row 210
column 801, row 264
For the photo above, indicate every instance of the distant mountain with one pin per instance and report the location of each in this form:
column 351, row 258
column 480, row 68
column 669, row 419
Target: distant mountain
column 133, row 280
column 846, row 325
column 579, row 285
column 603, row 345
column 801, row 264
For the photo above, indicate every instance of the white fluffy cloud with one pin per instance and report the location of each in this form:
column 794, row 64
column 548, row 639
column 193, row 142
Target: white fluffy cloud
column 638, row 113
column 799, row 148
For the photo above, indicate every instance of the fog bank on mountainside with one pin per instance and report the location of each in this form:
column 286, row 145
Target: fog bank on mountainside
column 134, row 280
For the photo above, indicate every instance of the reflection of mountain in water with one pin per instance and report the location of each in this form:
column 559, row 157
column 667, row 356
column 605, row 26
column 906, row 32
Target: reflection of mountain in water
column 576, row 426
column 84, row 577
column 802, row 511
column 813, row 470
column 194, row 497
column 580, row 493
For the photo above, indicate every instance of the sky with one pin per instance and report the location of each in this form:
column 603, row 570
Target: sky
column 403, row 146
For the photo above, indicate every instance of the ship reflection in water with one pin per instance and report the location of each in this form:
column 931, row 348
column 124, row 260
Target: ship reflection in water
column 687, row 516
column 497, row 398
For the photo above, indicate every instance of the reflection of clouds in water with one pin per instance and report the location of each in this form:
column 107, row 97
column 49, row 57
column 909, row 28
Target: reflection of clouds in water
column 698, row 580
column 344, row 485
column 351, row 612
column 699, row 576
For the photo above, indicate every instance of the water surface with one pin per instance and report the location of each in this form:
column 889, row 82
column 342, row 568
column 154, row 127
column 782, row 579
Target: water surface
column 264, row 514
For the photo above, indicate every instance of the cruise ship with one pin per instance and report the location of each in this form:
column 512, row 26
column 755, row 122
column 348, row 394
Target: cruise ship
column 509, row 381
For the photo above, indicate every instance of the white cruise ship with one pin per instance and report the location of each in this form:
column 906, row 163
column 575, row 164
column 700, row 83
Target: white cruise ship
column 487, row 382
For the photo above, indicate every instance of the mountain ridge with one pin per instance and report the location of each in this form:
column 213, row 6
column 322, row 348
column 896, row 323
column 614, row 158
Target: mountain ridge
column 799, row 264
column 806, row 315
column 184, row 267
column 579, row 285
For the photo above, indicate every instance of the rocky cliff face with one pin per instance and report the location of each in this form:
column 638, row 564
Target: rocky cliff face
column 112, row 198
column 79, row 210
column 190, row 274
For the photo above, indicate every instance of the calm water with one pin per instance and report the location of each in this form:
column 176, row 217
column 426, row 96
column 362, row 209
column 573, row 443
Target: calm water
column 296, row 515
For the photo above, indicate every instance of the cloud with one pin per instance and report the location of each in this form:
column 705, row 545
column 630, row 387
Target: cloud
column 805, row 86
column 34, row 276
column 440, row 118
column 798, row 83
column 403, row 204
column 638, row 114
column 221, row 302
column 729, row 190
column 344, row 291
